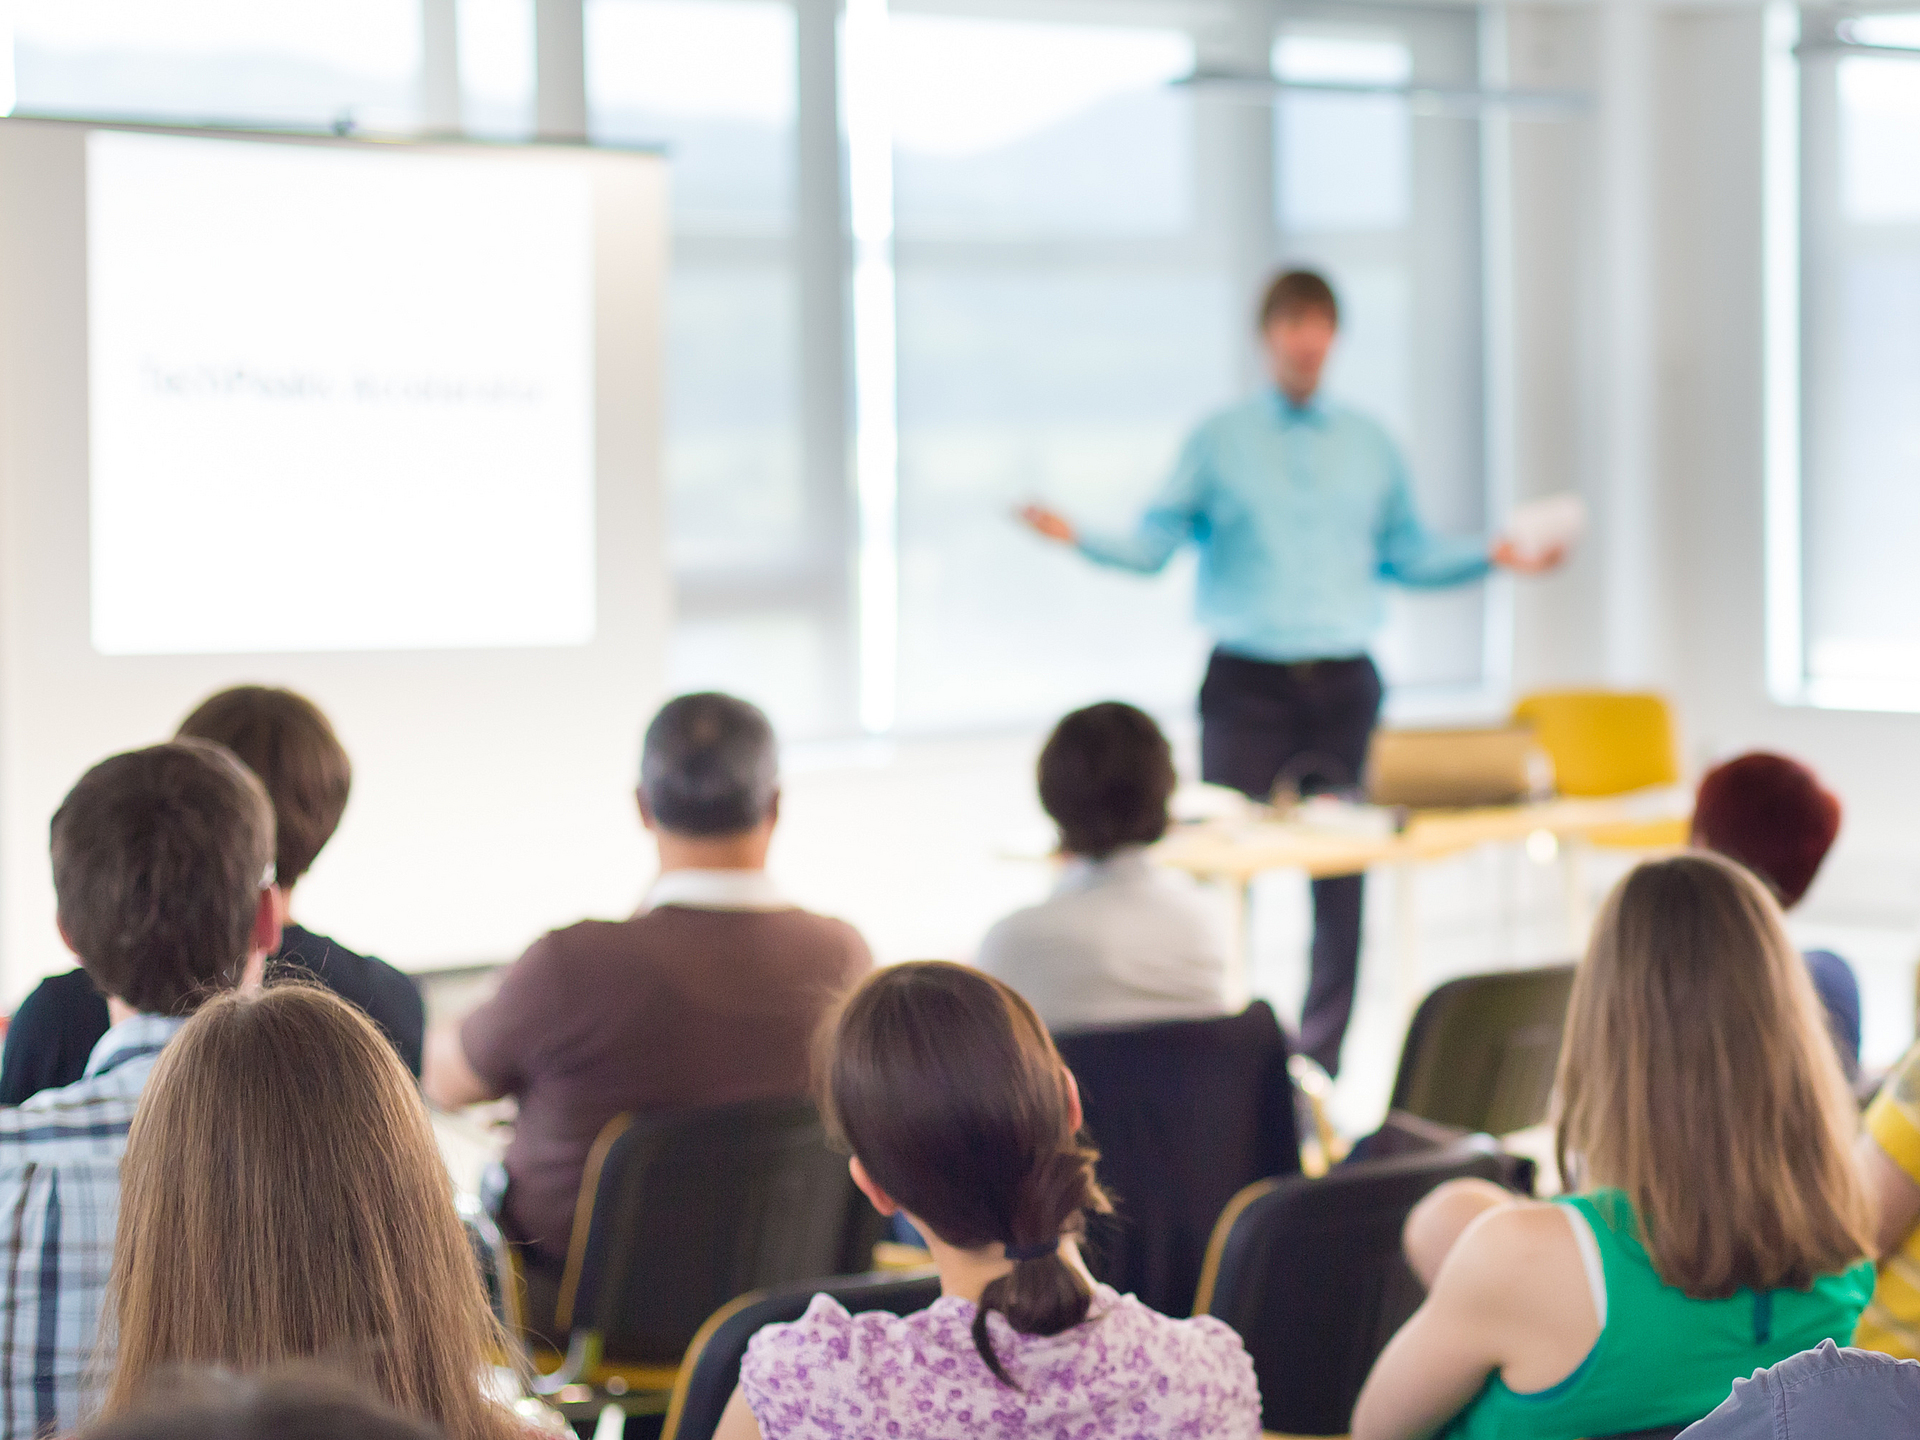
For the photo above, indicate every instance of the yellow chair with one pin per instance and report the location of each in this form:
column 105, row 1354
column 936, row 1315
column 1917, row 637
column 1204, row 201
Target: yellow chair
column 1605, row 743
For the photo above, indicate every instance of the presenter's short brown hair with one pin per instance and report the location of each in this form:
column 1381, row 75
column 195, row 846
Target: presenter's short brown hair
column 1106, row 775
column 1296, row 292
column 285, row 740
column 159, row 857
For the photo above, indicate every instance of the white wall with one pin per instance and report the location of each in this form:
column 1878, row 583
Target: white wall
column 1697, row 523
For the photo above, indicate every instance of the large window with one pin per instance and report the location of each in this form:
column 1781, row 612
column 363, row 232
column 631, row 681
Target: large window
column 1076, row 267
column 933, row 259
column 1061, row 322
column 1860, row 309
column 313, row 63
column 755, row 531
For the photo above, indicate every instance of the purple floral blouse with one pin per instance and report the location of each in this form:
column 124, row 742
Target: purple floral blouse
column 1126, row 1372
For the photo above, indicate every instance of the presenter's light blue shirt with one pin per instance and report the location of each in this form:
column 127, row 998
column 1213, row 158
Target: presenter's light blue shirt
column 1301, row 514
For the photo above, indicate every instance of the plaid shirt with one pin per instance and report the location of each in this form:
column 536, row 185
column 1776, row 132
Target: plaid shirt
column 59, row 1203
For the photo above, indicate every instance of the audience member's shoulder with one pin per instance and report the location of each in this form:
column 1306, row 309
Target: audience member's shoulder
column 840, row 934
column 1006, row 936
column 583, row 943
column 1204, row 1359
column 1202, row 1342
column 1824, row 1391
column 826, row 1334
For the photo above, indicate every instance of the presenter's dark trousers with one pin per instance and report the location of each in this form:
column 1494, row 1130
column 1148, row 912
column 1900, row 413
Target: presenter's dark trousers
column 1304, row 725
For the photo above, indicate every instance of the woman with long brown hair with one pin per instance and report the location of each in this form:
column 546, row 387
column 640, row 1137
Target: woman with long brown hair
column 282, row 1200
column 1714, row 1224
column 959, row 1112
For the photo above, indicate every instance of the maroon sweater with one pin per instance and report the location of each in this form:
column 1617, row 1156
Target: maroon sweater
column 673, row 1009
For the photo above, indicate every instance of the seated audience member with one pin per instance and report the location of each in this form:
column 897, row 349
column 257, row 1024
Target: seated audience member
column 709, row 996
column 1889, row 1152
column 1121, row 941
column 285, row 740
column 1819, row 1394
column 283, row 1200
column 1773, row 816
column 1714, row 1223
column 296, row 1405
column 163, row 875
column 945, row 1086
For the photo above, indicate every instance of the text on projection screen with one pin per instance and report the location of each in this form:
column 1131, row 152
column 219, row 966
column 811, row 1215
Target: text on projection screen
column 340, row 399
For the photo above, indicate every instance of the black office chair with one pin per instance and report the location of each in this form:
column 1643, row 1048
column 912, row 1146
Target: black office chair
column 1482, row 1051
column 1185, row 1114
column 712, row 1368
column 1310, row 1274
column 687, row 1211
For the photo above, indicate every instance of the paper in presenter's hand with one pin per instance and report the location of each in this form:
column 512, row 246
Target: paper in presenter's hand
column 1550, row 525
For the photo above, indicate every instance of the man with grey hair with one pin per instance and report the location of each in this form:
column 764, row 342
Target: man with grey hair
column 708, row 996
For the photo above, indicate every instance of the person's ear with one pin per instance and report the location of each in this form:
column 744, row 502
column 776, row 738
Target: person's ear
column 646, row 816
column 1074, row 1112
column 266, row 927
column 877, row 1197
column 773, row 810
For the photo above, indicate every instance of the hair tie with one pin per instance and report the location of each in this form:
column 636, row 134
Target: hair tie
column 1037, row 1251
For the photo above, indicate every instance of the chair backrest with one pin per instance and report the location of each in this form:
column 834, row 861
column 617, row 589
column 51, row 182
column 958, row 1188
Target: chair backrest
column 694, row 1208
column 1311, row 1275
column 712, row 1367
column 1482, row 1051
column 1603, row 742
column 1184, row 1114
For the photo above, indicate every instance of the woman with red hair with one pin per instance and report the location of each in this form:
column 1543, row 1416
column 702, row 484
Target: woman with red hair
column 1774, row 816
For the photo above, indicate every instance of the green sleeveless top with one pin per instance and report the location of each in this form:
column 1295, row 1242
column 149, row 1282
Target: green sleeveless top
column 1662, row 1358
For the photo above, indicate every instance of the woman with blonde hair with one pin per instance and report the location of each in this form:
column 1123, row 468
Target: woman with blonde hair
column 282, row 1200
column 1714, row 1224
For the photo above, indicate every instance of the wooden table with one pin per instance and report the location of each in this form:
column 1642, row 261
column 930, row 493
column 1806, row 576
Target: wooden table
column 1236, row 852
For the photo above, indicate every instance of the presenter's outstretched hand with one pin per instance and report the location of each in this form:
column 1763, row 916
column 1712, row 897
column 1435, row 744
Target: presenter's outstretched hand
column 1049, row 523
column 1509, row 556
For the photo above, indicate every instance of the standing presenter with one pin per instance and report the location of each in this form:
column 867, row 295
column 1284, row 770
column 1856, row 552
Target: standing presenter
column 1300, row 509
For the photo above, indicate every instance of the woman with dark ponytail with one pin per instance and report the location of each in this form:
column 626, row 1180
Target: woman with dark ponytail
column 959, row 1113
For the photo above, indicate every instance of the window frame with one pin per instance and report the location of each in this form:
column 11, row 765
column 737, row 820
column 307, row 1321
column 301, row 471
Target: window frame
column 1803, row 231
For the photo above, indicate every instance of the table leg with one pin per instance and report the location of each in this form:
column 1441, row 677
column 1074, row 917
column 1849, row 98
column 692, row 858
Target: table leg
column 1240, row 946
column 1406, row 942
column 1573, row 880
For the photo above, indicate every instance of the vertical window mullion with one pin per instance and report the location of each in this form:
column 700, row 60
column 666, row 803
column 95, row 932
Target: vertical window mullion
column 876, row 423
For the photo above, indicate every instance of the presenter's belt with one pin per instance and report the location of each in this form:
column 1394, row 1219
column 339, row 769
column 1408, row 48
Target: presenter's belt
column 1266, row 719
column 1232, row 678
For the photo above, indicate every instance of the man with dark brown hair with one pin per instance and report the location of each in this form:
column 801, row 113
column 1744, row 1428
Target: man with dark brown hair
column 285, row 740
column 163, row 876
column 1301, row 508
